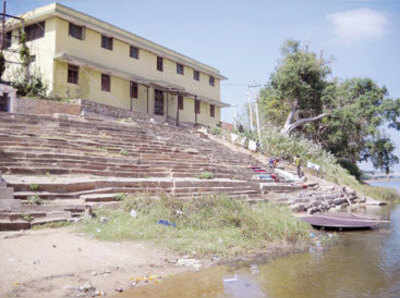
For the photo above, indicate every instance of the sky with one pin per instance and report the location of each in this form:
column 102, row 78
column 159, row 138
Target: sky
column 243, row 38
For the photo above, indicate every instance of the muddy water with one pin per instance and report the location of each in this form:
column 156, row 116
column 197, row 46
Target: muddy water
column 362, row 264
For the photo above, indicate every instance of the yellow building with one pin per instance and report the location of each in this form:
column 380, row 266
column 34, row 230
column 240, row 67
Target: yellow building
column 79, row 56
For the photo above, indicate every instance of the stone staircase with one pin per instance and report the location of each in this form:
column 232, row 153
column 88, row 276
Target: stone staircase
column 68, row 162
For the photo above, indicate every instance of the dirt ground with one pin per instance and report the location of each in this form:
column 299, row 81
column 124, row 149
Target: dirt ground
column 57, row 262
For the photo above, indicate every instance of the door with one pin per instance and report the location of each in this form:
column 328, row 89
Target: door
column 4, row 102
column 158, row 102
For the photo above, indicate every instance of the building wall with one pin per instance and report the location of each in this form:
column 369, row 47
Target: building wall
column 54, row 73
column 44, row 107
column 43, row 49
column 90, row 49
column 89, row 87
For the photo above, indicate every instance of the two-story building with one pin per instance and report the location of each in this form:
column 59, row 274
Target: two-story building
column 79, row 56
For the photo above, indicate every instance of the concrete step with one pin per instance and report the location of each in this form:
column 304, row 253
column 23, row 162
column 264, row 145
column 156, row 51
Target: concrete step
column 105, row 197
column 43, row 221
column 10, row 225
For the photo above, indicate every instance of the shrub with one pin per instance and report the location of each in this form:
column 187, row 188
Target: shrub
column 33, row 187
column 34, row 87
column 35, row 200
column 351, row 168
column 216, row 131
column 206, row 175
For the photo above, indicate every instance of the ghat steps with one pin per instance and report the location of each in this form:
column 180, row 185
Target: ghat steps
column 82, row 161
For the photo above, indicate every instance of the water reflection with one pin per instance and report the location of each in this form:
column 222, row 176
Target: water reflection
column 363, row 264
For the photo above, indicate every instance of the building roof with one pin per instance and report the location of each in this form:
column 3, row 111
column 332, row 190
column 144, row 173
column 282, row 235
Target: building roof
column 106, row 28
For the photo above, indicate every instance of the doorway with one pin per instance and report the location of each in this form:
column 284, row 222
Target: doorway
column 158, row 102
column 4, row 102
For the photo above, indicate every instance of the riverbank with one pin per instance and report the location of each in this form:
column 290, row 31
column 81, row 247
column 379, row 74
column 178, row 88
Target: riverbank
column 119, row 249
column 63, row 263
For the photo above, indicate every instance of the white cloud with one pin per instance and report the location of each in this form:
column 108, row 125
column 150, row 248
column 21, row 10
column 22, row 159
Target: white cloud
column 358, row 24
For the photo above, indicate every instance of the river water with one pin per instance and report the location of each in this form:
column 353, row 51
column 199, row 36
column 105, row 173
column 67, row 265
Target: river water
column 361, row 264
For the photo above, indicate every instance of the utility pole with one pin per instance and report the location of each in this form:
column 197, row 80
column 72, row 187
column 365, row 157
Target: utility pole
column 3, row 25
column 258, row 120
column 250, row 109
column 235, row 117
column 4, row 16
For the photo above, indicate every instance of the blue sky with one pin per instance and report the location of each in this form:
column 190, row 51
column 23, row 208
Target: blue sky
column 243, row 38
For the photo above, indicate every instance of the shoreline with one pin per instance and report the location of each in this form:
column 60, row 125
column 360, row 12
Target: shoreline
column 381, row 180
column 63, row 261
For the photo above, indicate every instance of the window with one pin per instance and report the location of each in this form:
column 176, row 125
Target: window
column 73, row 74
column 160, row 63
column 179, row 68
column 7, row 40
column 32, row 58
column 107, row 42
column 180, row 102
column 134, row 52
column 212, row 81
column 134, row 90
column 76, row 31
column 212, row 111
column 197, row 106
column 34, row 31
column 105, row 83
column 196, row 75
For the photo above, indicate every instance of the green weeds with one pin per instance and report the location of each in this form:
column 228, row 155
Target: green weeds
column 209, row 225
column 35, row 200
column 33, row 187
column 206, row 175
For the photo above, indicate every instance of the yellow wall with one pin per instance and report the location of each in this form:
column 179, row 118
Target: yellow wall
column 90, row 49
column 54, row 73
column 89, row 87
column 44, row 50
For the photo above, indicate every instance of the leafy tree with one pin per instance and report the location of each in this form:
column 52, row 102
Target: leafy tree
column 359, row 110
column 296, row 88
column 381, row 154
column 345, row 117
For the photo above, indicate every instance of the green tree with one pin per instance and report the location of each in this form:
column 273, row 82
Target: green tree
column 360, row 108
column 381, row 154
column 345, row 117
column 295, row 90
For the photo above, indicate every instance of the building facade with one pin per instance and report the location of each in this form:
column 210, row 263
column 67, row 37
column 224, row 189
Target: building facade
column 79, row 56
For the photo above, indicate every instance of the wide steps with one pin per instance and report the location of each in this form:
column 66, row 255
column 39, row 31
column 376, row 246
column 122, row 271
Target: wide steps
column 70, row 162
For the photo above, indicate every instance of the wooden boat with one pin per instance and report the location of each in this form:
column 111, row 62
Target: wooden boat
column 342, row 221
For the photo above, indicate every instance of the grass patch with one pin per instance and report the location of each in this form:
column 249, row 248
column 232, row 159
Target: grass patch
column 33, row 187
column 214, row 225
column 28, row 217
column 123, row 152
column 206, row 175
column 121, row 196
column 34, row 200
column 337, row 174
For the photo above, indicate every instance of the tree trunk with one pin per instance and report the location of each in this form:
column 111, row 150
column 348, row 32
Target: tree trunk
column 289, row 119
column 287, row 129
